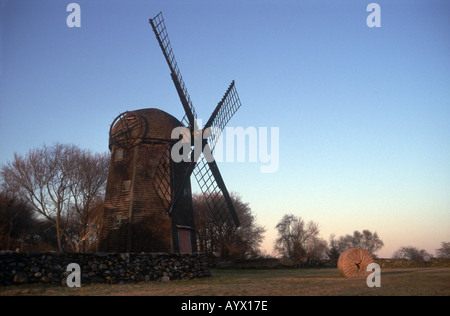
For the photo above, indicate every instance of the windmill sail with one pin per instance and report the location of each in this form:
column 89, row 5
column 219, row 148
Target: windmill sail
column 206, row 172
column 160, row 30
column 215, row 192
column 222, row 114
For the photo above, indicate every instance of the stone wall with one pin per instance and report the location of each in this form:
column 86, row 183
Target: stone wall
column 51, row 267
column 274, row 263
column 404, row 263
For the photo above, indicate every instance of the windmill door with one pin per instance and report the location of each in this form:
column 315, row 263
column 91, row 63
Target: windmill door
column 184, row 237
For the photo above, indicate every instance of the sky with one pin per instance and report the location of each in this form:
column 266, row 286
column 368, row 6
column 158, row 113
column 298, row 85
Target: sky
column 363, row 113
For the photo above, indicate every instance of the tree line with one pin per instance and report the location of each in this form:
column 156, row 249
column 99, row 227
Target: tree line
column 52, row 199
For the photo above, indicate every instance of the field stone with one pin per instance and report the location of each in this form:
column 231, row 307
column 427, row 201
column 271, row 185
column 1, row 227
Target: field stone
column 20, row 278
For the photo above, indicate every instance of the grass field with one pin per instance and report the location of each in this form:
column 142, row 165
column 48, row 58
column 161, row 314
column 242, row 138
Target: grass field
column 403, row 282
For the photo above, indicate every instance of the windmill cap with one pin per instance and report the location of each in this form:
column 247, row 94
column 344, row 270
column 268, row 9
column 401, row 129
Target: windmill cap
column 142, row 126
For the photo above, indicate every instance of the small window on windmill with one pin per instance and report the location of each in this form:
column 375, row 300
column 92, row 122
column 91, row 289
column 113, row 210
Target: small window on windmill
column 127, row 185
column 118, row 156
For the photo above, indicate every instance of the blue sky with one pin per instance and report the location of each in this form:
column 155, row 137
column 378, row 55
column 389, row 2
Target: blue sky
column 363, row 113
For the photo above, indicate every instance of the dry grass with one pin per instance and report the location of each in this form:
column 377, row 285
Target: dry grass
column 404, row 282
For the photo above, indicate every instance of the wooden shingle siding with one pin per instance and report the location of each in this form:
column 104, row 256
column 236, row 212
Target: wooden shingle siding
column 135, row 219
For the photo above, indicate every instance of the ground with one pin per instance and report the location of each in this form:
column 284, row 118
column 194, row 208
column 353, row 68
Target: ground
column 285, row 282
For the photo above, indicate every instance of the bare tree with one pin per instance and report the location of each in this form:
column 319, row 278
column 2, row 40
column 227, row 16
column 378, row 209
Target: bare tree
column 41, row 180
column 57, row 181
column 88, row 180
column 316, row 249
column 412, row 253
column 333, row 251
column 298, row 240
column 220, row 240
column 367, row 240
column 444, row 251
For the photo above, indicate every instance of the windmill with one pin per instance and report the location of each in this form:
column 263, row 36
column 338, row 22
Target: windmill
column 148, row 201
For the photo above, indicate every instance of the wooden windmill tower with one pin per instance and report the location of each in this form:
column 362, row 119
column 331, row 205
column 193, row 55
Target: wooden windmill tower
column 148, row 202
